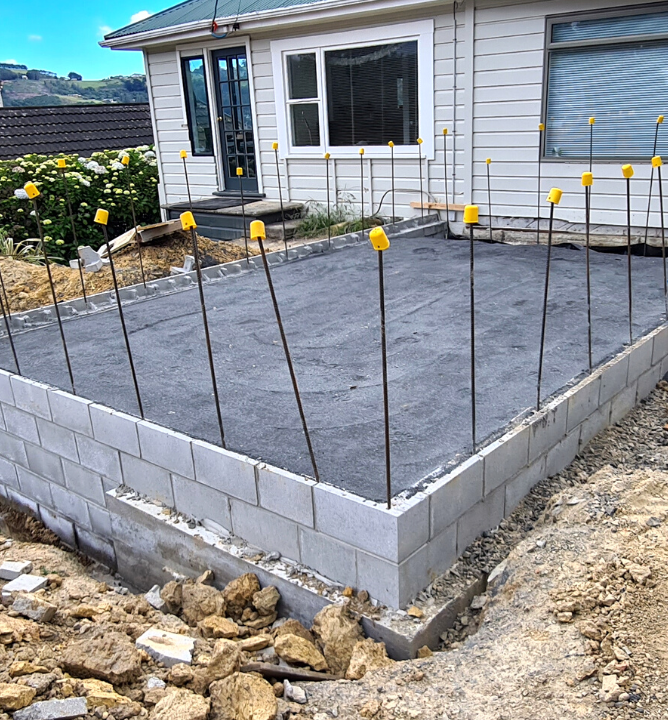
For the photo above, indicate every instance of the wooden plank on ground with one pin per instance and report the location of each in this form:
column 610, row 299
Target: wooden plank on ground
column 439, row 206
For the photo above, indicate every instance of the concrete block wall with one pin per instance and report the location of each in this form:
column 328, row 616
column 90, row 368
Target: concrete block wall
column 60, row 456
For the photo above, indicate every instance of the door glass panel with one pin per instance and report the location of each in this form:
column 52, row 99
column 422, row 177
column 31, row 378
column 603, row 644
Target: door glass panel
column 245, row 92
column 251, row 166
column 233, row 68
column 243, row 69
column 248, row 119
column 222, row 67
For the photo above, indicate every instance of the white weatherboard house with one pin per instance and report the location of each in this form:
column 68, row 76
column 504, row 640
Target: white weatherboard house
column 339, row 75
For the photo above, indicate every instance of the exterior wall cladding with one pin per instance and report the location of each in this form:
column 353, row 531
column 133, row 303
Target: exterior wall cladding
column 61, row 457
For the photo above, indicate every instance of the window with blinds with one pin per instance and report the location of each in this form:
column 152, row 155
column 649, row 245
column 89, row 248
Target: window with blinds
column 611, row 67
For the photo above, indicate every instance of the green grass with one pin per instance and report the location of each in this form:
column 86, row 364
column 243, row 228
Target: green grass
column 342, row 218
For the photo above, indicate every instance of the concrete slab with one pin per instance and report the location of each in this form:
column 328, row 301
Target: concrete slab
column 329, row 304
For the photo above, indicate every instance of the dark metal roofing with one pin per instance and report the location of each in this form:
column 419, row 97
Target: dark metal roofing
column 196, row 10
column 73, row 129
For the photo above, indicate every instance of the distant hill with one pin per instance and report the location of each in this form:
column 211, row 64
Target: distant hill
column 22, row 87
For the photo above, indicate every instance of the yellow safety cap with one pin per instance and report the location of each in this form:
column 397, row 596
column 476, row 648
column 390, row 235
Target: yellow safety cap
column 327, row 156
column 471, row 214
column 187, row 221
column 592, row 121
column 390, row 144
column 541, row 126
column 125, row 159
column 31, row 190
column 445, row 131
column 62, row 163
column 489, row 161
column 657, row 161
column 378, row 239
column 183, row 154
column 361, row 151
column 240, row 172
column 274, row 146
column 554, row 196
column 420, row 141
column 659, row 120
column 627, row 171
column 587, row 179
column 257, row 231
column 101, row 216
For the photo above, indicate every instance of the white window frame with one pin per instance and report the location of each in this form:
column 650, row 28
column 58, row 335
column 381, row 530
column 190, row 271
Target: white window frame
column 421, row 30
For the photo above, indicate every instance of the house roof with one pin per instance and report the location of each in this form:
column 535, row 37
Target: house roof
column 73, row 128
column 199, row 10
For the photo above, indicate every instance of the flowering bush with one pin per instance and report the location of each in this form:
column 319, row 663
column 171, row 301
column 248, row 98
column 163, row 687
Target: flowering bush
column 99, row 181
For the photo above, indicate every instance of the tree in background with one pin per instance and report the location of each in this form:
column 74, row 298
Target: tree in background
column 74, row 76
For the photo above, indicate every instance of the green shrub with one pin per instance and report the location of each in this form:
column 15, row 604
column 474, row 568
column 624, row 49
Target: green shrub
column 92, row 182
column 344, row 217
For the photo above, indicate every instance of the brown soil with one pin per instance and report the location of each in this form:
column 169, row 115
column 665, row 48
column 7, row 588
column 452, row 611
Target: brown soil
column 27, row 284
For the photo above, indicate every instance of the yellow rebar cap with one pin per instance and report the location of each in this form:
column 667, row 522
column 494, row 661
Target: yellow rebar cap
column 31, row 190
column 445, row 131
column 62, row 163
column 471, row 214
column 592, row 121
column 327, row 156
column 554, row 196
column 240, row 172
column 659, row 120
column 420, row 141
column 187, row 221
column 101, row 216
column 183, row 154
column 257, row 231
column 378, row 239
column 274, row 146
column 587, row 179
column 627, row 171
column 125, row 159
column 657, row 161
column 390, row 144
column 489, row 161
column 541, row 126
column 361, row 151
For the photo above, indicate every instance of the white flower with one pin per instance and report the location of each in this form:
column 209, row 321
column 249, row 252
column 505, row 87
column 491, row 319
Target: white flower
column 21, row 194
column 60, row 242
column 82, row 160
column 143, row 148
column 109, row 186
column 85, row 182
column 99, row 170
column 91, row 165
column 48, row 238
column 83, row 204
column 18, row 169
column 46, row 222
column 126, row 192
column 122, row 154
column 149, row 154
column 107, row 191
column 117, row 166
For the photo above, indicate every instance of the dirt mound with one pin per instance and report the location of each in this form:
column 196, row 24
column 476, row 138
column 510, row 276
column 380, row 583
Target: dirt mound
column 27, row 284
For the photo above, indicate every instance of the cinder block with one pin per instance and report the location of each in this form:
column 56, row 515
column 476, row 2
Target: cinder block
column 57, row 439
column 225, row 471
column 21, row 424
column 100, row 549
column 71, row 506
column 70, row 412
column 453, row 494
column 201, row 502
column 505, row 457
column 99, row 457
column 640, row 359
column 31, row 396
column 547, row 428
column 59, row 525
column 166, row 448
column 594, row 424
column 13, row 449
column 647, row 382
column 583, row 401
column 8, row 474
column 623, row 403
column 26, row 504
column 45, row 464
column 664, row 368
column 441, row 553
column 6, row 394
column 393, row 534
column 286, row 494
column 660, row 347
column 518, row 488
column 35, row 487
column 83, row 482
column 563, row 454
column 485, row 515
column 100, row 521
column 115, row 428
column 264, row 529
column 150, row 480
column 3, row 426
column 613, row 378
column 331, row 558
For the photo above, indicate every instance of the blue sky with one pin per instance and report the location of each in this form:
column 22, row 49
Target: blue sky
column 63, row 35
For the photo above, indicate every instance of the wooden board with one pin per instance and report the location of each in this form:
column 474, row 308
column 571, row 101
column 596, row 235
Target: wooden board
column 438, row 206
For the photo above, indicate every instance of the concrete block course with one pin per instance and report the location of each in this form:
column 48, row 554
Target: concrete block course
column 613, row 377
column 84, row 482
column 57, row 439
column 13, row 449
column 70, row 411
column 115, row 428
column 455, row 493
column 59, row 525
column 99, row 548
column 201, row 502
column 505, row 457
column 547, row 428
column 45, row 464
column 31, row 396
column 583, row 401
column 71, row 506
column 100, row 458
column 264, row 529
column 8, row 474
column 286, row 494
column 35, row 487
column 225, row 471
column 647, row 382
column 594, row 424
column 333, row 559
column 100, row 520
column 22, row 502
column 563, row 453
column 6, row 394
column 485, row 515
column 21, row 424
column 147, row 479
column 660, row 346
column 640, row 358
column 622, row 403
column 166, row 448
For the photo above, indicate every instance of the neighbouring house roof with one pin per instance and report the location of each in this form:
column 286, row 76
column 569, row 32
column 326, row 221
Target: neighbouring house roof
column 73, row 129
column 199, row 10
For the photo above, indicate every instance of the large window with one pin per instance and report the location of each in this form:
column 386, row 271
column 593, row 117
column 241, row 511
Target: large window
column 340, row 94
column 197, row 106
column 612, row 67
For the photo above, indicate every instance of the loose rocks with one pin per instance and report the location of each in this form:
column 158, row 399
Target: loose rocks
column 105, row 655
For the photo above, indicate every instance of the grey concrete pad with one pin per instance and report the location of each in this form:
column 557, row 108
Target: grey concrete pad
column 329, row 304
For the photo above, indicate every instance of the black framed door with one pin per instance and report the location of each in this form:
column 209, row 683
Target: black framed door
column 235, row 119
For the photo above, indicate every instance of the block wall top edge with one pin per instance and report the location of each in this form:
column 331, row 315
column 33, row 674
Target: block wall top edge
column 224, row 451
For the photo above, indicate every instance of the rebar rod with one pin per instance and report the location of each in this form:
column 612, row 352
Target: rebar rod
column 386, row 402
column 280, row 199
column 472, row 313
column 74, row 235
column 9, row 336
column 545, row 298
column 134, row 224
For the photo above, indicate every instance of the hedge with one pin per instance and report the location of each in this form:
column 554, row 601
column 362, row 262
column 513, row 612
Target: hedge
column 98, row 181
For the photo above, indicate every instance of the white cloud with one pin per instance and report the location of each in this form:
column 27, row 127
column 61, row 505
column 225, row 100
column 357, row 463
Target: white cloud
column 141, row 15
column 34, row 38
column 10, row 62
column 104, row 30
